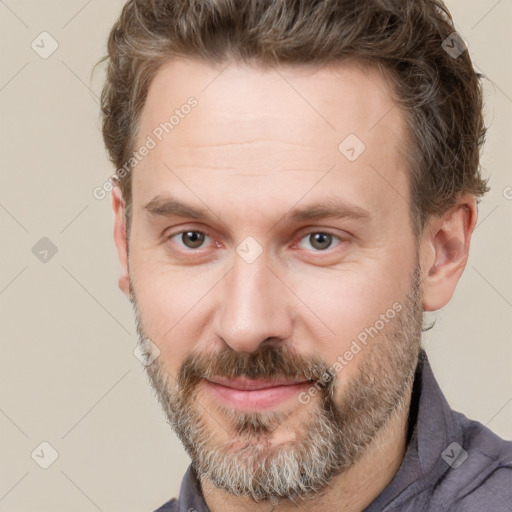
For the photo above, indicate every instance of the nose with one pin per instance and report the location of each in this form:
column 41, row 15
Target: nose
column 254, row 306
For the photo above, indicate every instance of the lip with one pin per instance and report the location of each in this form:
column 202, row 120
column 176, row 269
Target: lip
column 252, row 395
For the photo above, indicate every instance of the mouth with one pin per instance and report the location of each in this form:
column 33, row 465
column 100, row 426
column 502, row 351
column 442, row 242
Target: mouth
column 251, row 395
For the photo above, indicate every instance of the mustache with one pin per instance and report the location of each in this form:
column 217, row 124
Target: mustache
column 267, row 362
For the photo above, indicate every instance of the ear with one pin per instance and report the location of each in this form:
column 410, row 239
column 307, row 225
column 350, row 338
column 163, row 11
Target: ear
column 120, row 239
column 445, row 250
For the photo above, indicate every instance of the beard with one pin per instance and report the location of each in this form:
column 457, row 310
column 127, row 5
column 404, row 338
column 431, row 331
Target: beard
column 329, row 434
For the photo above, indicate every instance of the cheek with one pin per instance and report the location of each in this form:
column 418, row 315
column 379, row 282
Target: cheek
column 350, row 297
column 342, row 304
column 169, row 303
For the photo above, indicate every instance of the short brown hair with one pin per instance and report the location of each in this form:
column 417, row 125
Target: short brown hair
column 440, row 95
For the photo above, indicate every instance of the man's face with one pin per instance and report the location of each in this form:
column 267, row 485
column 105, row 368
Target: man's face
column 259, row 288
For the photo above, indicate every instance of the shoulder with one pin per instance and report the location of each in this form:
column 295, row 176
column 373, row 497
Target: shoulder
column 493, row 493
column 487, row 448
column 169, row 506
column 483, row 481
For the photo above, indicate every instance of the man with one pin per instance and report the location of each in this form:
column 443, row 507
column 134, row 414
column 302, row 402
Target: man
column 297, row 182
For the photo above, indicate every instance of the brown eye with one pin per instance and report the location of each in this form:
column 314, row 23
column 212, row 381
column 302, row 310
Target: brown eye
column 319, row 240
column 188, row 239
column 192, row 239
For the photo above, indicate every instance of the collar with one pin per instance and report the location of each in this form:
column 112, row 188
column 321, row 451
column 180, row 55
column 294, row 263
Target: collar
column 432, row 432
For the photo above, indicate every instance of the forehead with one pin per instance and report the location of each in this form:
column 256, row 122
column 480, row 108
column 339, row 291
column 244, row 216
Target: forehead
column 273, row 132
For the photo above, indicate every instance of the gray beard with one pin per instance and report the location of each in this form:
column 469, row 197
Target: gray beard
column 333, row 437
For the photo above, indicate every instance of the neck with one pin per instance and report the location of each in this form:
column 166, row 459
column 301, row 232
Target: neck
column 351, row 491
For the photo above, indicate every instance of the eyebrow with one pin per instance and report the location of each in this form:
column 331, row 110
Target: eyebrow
column 332, row 208
column 170, row 207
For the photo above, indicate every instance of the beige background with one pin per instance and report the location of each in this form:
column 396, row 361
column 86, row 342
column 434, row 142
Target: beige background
column 68, row 373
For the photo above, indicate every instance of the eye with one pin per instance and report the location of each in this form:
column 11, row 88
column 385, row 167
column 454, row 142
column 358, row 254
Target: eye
column 189, row 239
column 319, row 240
column 193, row 239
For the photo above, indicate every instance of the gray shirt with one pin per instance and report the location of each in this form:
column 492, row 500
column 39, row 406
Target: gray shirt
column 451, row 463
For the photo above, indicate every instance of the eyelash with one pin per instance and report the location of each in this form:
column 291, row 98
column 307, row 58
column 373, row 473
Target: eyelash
column 186, row 249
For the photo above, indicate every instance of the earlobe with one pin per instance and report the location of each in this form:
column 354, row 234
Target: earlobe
column 120, row 238
column 445, row 252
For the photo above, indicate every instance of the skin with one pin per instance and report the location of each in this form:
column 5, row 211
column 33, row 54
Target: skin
column 259, row 144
